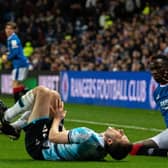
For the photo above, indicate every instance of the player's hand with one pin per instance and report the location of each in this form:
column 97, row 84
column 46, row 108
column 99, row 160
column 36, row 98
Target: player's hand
column 4, row 58
column 60, row 111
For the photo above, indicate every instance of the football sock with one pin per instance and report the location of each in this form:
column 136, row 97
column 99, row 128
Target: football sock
column 140, row 149
column 135, row 149
column 23, row 104
column 18, row 92
column 22, row 120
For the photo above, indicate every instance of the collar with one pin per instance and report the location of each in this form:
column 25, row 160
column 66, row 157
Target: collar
column 11, row 36
column 164, row 85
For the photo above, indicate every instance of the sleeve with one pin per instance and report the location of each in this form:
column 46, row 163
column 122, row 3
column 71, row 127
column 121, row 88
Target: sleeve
column 79, row 135
column 13, row 49
column 154, row 95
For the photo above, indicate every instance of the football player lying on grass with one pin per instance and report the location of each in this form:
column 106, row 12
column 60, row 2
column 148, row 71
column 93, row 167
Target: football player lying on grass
column 44, row 141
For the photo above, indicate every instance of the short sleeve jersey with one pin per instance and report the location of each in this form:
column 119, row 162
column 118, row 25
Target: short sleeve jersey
column 15, row 52
column 161, row 99
column 84, row 144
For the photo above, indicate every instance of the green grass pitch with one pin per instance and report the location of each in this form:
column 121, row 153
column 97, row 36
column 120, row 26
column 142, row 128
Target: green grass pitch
column 137, row 123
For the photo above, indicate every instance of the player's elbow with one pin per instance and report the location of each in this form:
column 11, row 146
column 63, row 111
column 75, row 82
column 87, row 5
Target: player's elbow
column 53, row 136
column 58, row 137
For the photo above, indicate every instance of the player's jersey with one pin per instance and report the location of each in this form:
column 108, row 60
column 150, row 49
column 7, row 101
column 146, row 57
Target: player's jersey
column 15, row 50
column 85, row 144
column 161, row 99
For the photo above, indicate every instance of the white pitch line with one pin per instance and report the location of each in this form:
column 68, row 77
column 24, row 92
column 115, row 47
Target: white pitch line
column 115, row 125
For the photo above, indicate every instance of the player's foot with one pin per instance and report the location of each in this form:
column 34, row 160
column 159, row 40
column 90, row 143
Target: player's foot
column 17, row 134
column 26, row 90
column 3, row 108
column 5, row 126
column 9, row 130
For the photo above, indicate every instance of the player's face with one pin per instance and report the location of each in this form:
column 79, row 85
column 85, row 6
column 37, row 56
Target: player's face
column 116, row 135
column 156, row 75
column 159, row 70
column 9, row 30
column 159, row 76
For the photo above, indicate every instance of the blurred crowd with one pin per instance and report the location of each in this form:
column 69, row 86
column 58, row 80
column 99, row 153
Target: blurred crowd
column 109, row 35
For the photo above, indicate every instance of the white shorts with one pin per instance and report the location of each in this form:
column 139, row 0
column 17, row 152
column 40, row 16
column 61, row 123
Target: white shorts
column 19, row 74
column 161, row 139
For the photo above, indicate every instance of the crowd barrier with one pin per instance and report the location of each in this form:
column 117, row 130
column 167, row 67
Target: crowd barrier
column 120, row 89
column 50, row 80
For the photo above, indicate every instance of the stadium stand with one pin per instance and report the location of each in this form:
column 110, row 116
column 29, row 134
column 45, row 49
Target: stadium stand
column 109, row 35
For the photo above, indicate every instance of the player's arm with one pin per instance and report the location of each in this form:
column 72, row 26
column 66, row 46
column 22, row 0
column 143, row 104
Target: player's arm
column 4, row 58
column 14, row 49
column 54, row 134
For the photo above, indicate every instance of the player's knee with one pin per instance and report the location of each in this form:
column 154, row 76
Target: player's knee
column 15, row 83
column 43, row 91
column 55, row 94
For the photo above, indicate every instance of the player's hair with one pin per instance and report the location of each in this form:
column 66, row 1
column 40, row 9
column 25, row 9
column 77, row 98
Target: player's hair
column 12, row 24
column 118, row 150
column 159, row 69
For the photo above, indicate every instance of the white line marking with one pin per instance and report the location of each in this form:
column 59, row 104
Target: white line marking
column 115, row 125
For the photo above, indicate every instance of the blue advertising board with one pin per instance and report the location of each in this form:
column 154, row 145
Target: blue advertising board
column 120, row 89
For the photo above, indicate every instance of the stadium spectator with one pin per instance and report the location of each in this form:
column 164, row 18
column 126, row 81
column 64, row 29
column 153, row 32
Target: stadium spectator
column 52, row 21
column 44, row 141
column 28, row 49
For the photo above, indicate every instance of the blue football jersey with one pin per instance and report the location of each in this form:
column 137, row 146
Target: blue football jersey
column 84, row 144
column 161, row 99
column 15, row 52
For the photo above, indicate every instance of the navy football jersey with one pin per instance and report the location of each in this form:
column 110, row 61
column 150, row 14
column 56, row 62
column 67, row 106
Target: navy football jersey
column 15, row 52
column 161, row 99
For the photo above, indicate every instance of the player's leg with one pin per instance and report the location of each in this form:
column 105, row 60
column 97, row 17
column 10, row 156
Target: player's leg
column 7, row 114
column 155, row 146
column 41, row 106
column 18, row 75
column 21, row 121
column 39, row 122
column 36, row 131
column 25, row 103
column 161, row 139
column 141, row 147
column 5, row 127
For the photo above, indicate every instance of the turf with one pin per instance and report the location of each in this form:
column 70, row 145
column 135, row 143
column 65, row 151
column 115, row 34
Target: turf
column 137, row 123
